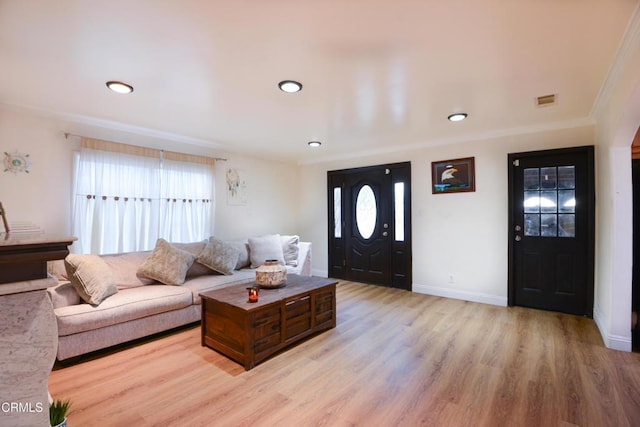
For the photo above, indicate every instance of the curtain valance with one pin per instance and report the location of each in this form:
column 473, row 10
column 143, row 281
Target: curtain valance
column 118, row 147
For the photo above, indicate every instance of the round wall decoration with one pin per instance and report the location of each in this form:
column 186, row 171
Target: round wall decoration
column 16, row 162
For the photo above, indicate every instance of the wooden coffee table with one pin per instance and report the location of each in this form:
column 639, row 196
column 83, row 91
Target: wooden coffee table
column 251, row 332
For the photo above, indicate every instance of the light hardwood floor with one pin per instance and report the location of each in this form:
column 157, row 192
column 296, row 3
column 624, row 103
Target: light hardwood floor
column 394, row 359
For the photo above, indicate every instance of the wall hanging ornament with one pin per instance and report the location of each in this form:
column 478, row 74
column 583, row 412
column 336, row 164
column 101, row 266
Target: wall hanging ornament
column 16, row 162
column 236, row 187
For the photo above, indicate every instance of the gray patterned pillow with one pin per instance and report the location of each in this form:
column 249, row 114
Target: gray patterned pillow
column 166, row 264
column 91, row 277
column 219, row 256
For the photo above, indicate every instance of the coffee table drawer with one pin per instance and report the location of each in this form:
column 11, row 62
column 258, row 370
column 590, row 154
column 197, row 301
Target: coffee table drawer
column 267, row 322
column 298, row 306
column 325, row 303
column 266, row 344
column 298, row 316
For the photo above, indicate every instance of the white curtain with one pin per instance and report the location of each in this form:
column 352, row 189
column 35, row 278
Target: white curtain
column 185, row 202
column 127, row 197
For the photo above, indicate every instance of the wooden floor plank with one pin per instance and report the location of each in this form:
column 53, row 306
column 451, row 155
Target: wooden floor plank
column 395, row 358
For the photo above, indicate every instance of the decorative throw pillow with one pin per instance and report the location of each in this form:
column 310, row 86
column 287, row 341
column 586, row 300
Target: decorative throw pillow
column 290, row 248
column 90, row 277
column 167, row 264
column 195, row 248
column 219, row 256
column 265, row 247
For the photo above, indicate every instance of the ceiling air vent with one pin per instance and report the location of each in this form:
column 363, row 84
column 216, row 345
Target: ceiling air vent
column 543, row 101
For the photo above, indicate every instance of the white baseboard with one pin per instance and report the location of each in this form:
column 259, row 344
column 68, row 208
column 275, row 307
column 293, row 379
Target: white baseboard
column 319, row 273
column 614, row 342
column 445, row 292
column 462, row 295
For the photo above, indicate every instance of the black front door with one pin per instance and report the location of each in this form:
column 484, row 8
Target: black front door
column 369, row 224
column 551, row 237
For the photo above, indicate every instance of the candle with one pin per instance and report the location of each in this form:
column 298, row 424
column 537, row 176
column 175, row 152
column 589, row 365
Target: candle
column 253, row 294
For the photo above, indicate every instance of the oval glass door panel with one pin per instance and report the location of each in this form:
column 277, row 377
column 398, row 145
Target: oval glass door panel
column 366, row 211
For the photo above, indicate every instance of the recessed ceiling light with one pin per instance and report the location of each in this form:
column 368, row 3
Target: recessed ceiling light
column 314, row 143
column 290, row 86
column 457, row 117
column 119, row 87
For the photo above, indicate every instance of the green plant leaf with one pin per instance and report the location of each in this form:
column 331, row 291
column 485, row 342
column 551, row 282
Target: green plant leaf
column 58, row 411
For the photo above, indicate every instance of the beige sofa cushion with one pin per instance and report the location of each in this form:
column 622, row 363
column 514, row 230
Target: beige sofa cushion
column 57, row 269
column 63, row 294
column 195, row 248
column 211, row 282
column 243, row 253
column 124, row 266
column 91, row 277
column 167, row 264
column 126, row 305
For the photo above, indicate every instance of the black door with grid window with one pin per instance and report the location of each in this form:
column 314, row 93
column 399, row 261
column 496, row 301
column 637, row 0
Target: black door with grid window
column 551, row 236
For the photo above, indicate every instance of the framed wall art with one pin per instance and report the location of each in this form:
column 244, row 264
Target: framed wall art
column 453, row 176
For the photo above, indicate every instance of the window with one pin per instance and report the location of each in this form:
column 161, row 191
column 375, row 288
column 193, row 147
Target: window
column 127, row 197
column 550, row 202
column 398, row 207
column 337, row 212
column 366, row 211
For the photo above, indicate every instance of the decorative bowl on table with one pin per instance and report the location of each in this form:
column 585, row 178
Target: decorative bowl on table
column 271, row 274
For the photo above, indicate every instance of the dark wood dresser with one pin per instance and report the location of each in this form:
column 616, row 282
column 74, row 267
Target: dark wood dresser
column 28, row 328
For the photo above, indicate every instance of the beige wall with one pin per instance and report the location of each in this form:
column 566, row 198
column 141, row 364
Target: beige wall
column 464, row 235
column 43, row 196
column 618, row 117
column 272, row 199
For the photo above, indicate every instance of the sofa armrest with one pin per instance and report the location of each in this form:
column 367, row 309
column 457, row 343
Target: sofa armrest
column 63, row 294
column 304, row 260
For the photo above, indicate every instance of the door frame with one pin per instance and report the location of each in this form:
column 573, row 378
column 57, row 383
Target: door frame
column 590, row 208
column 401, row 273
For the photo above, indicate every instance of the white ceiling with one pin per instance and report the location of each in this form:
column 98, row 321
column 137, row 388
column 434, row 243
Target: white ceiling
column 377, row 75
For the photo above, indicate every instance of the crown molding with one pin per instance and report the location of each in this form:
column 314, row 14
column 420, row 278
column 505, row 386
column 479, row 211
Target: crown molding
column 628, row 46
column 481, row 136
column 113, row 125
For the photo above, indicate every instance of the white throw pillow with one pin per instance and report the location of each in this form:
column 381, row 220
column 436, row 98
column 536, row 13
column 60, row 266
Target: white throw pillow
column 266, row 247
column 291, row 248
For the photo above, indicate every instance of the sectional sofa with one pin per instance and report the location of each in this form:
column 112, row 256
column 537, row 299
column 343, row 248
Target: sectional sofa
column 134, row 301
